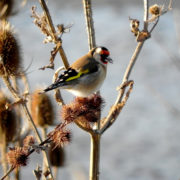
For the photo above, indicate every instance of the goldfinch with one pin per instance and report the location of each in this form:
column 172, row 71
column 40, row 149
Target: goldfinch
column 86, row 75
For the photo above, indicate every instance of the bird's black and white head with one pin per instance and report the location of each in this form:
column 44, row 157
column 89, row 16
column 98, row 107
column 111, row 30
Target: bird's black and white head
column 101, row 54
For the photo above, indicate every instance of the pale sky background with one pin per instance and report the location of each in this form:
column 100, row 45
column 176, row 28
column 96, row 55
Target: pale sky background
column 143, row 144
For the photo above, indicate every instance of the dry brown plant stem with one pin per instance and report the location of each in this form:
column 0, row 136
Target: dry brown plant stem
column 28, row 115
column 24, row 106
column 8, row 172
column 110, row 119
column 56, row 40
column 95, row 137
column 19, row 115
column 113, row 113
column 55, row 171
column 45, row 168
column 94, row 156
column 89, row 23
column 3, row 154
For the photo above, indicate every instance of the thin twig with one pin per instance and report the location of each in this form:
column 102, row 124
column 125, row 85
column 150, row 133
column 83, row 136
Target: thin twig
column 56, row 39
column 8, row 172
column 116, row 108
column 154, row 25
column 110, row 119
column 146, row 15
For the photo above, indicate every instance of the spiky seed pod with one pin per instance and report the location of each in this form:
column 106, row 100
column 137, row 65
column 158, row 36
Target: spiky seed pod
column 6, row 8
column 56, row 156
column 155, row 9
column 42, row 110
column 17, row 156
column 87, row 109
column 8, row 124
column 60, row 136
column 9, row 51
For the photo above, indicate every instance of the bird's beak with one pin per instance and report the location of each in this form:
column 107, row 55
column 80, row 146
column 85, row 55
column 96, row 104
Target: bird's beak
column 109, row 59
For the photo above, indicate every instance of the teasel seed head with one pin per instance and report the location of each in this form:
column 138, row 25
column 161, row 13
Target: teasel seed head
column 42, row 109
column 8, row 124
column 56, row 156
column 6, row 7
column 60, row 136
column 87, row 109
column 9, row 51
column 17, row 156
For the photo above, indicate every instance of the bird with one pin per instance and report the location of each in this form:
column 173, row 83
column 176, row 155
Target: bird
column 86, row 75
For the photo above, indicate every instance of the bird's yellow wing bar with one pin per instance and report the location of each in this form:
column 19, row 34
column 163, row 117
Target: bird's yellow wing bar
column 80, row 73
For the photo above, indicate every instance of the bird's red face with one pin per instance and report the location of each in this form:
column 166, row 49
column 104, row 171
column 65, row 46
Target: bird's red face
column 104, row 55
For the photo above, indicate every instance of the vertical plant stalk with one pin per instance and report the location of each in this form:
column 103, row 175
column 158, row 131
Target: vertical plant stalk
column 3, row 154
column 89, row 23
column 94, row 156
column 55, row 171
column 146, row 14
column 53, row 30
column 19, row 115
column 44, row 166
column 95, row 137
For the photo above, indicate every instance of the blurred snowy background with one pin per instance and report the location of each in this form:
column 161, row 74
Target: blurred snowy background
column 143, row 144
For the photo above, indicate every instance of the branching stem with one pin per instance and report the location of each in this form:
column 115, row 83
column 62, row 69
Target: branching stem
column 56, row 39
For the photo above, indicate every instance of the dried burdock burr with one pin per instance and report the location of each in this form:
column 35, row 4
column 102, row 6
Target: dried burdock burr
column 8, row 124
column 155, row 10
column 83, row 109
column 42, row 110
column 6, row 7
column 56, row 156
column 17, row 156
column 9, row 51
